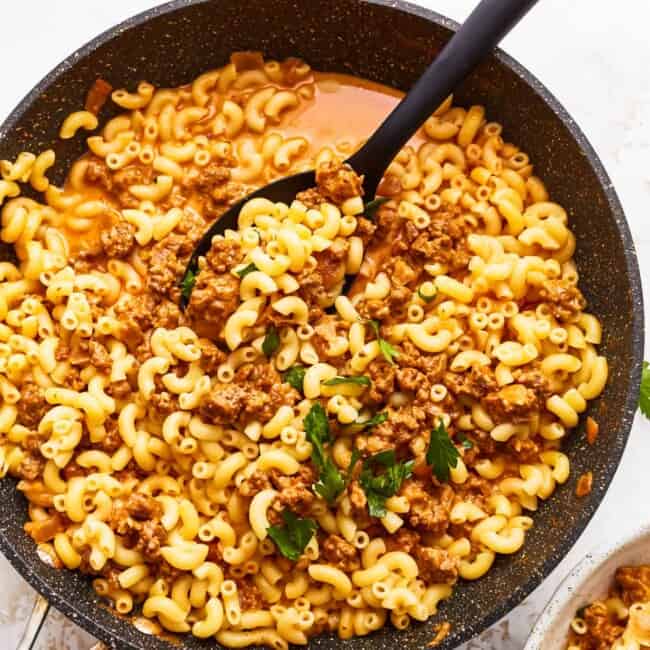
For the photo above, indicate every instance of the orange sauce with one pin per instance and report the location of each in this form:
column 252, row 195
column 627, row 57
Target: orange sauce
column 343, row 112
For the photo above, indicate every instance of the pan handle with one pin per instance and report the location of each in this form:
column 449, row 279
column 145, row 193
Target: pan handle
column 34, row 624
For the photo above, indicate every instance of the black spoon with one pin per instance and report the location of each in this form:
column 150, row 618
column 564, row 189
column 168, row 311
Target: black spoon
column 476, row 38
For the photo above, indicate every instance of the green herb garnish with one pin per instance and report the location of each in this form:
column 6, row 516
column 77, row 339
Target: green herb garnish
column 465, row 441
column 644, row 391
column 376, row 419
column 330, row 482
column 292, row 538
column 389, row 352
column 271, row 341
column 379, row 487
column 295, row 376
column 441, row 454
column 244, row 271
column 361, row 380
column 370, row 208
column 187, row 284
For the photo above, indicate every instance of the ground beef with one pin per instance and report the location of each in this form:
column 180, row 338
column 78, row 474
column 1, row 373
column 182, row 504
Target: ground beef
column 255, row 483
column 151, row 537
column 165, row 266
column 214, row 299
column 97, row 173
column 474, row 383
column 136, row 318
column 564, row 299
column 119, row 389
column 403, row 425
column 112, row 441
column 125, row 178
column 382, row 375
column 224, row 255
column 331, row 264
column 72, row 469
column 340, row 554
column 211, row 357
column 250, row 597
column 118, row 241
column 31, row 406
column 428, row 512
column 634, row 582
column 390, row 185
column 338, row 181
column 164, row 402
column 132, row 175
column 311, row 198
column 601, row 631
column 357, row 498
column 168, row 313
column 404, row 539
column 436, row 566
column 142, row 507
column 432, row 365
column 414, row 381
column 525, row 451
column 295, row 491
column 317, row 287
column 255, row 394
column 31, row 467
column 513, row 403
column 365, row 229
column 207, row 179
column 99, row 357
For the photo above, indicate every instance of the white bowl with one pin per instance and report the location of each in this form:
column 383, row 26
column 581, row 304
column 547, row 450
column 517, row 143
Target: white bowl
column 590, row 580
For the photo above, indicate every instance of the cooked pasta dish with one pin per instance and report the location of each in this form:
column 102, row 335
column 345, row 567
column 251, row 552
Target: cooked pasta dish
column 619, row 622
column 363, row 402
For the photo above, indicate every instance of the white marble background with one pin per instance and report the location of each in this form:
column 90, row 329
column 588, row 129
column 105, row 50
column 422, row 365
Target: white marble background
column 592, row 54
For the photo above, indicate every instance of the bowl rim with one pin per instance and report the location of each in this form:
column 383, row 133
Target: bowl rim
column 514, row 598
column 589, row 566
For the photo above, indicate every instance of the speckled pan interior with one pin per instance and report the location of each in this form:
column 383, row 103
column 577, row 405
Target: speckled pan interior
column 390, row 42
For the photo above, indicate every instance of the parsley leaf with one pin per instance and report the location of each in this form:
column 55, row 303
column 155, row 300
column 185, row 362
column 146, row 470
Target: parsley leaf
column 292, row 538
column 317, row 428
column 376, row 419
column 295, row 377
column 330, row 482
column 385, row 347
column 244, row 271
column 644, row 392
column 187, row 283
column 379, row 487
column 465, row 441
column 361, row 380
column 441, row 454
column 370, row 208
column 271, row 341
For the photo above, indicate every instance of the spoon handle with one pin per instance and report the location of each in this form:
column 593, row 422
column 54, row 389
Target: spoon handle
column 490, row 21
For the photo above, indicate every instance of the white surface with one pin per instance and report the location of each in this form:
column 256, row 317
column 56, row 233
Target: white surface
column 592, row 54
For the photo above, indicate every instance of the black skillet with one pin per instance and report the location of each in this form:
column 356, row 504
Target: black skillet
column 390, row 42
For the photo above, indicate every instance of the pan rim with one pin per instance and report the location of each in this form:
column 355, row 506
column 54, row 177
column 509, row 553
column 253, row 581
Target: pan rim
column 628, row 408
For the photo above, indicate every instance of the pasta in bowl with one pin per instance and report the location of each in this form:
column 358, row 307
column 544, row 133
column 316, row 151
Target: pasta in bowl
column 285, row 458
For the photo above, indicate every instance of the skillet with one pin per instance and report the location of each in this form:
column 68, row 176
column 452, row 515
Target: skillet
column 391, row 42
